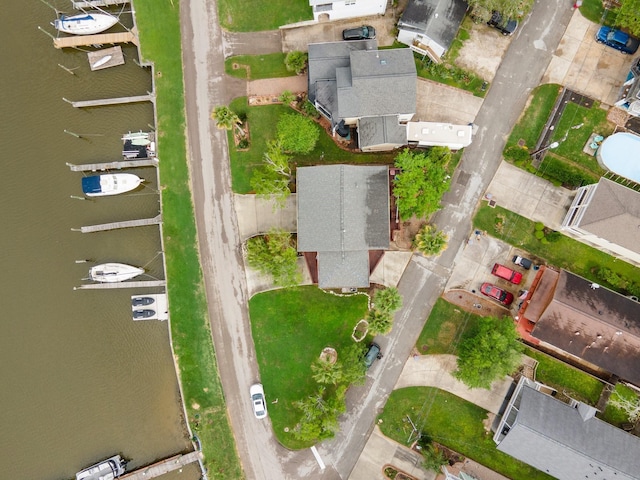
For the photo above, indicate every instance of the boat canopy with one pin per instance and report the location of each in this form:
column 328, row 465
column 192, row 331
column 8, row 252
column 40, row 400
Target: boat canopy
column 91, row 184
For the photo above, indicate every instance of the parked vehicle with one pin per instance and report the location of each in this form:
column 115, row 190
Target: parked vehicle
column 496, row 293
column 506, row 25
column 141, row 301
column 506, row 273
column 523, row 262
column 257, row 400
column 372, row 354
column 365, row 32
column 617, row 39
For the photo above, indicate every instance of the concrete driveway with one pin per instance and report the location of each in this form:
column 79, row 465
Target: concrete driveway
column 585, row 66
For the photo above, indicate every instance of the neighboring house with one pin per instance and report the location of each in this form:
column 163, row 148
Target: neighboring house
column 324, row 10
column 343, row 214
column 570, row 314
column 349, row 81
column 429, row 26
column 436, row 134
column 565, row 440
column 606, row 215
column 629, row 98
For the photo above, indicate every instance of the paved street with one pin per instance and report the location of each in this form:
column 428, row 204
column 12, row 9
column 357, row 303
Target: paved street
column 206, row 87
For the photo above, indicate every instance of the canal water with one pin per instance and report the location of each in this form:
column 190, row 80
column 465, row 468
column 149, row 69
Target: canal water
column 79, row 380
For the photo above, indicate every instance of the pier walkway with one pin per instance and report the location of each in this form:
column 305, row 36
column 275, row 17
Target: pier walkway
column 94, row 167
column 116, row 225
column 98, row 39
column 79, row 5
column 162, row 467
column 106, row 286
column 102, row 102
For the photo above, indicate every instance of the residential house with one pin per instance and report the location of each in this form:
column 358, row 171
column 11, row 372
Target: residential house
column 343, row 214
column 606, row 215
column 572, row 315
column 565, row 440
column 629, row 98
column 429, row 26
column 325, row 10
column 355, row 84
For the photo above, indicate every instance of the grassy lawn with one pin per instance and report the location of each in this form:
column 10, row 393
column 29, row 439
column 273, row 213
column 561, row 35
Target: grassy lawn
column 453, row 422
column 450, row 75
column 256, row 67
column 593, row 10
column 564, row 253
column 239, row 16
column 262, row 127
column 290, row 328
column 566, row 379
column 191, row 335
column 444, row 328
column 614, row 415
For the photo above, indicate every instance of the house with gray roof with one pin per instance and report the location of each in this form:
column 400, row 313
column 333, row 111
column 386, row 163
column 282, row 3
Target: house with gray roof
column 629, row 98
column 351, row 81
column 565, row 440
column 343, row 214
column 570, row 314
column 429, row 26
column 606, row 215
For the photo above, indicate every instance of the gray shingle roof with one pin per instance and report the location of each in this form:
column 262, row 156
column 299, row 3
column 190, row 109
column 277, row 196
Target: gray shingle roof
column 553, row 437
column 374, row 131
column 437, row 19
column 343, row 269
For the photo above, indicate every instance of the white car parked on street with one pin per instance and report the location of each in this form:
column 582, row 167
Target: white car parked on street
column 257, row 399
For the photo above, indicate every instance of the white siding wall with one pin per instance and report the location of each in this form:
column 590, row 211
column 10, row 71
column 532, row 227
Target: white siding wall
column 341, row 9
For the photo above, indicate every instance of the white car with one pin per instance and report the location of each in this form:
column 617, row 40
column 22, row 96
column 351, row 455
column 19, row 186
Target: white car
column 257, row 399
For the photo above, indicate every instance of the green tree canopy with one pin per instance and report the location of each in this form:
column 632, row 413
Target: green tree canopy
column 422, row 182
column 297, row 133
column 275, row 254
column 481, row 9
column 490, row 352
column 430, row 241
column 272, row 179
column 387, row 300
column 296, row 61
column 628, row 16
column 225, row 118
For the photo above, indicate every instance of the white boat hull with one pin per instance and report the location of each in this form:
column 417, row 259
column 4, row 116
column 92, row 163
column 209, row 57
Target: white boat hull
column 85, row 23
column 110, row 184
column 114, row 272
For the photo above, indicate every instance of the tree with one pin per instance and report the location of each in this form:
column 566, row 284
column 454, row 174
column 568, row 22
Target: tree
column 387, row 300
column 433, row 458
column 226, row 118
column 482, row 9
column 628, row 16
column 380, row 323
column 296, row 61
column 273, row 178
column 274, row 254
column 297, row 133
column 353, row 369
column 326, row 372
column 490, row 352
column 430, row 241
column 422, row 181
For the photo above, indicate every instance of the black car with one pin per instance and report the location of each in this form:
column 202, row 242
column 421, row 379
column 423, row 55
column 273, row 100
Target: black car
column 141, row 301
column 506, row 25
column 365, row 32
column 372, row 354
column 523, row 262
column 146, row 313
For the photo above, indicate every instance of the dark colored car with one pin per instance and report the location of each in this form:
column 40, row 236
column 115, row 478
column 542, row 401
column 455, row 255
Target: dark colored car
column 372, row 354
column 617, row 39
column 523, row 262
column 496, row 293
column 506, row 273
column 365, row 32
column 146, row 313
column 141, row 301
column 506, row 25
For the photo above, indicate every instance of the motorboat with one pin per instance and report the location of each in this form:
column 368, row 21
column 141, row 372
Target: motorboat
column 109, row 184
column 85, row 23
column 113, row 272
column 145, row 313
column 108, row 469
column 139, row 145
column 141, row 301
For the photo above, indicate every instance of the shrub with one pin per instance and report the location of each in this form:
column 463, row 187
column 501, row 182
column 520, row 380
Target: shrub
column 297, row 133
column 296, row 61
column 518, row 155
column 539, row 226
column 553, row 236
column 567, row 175
column 539, row 234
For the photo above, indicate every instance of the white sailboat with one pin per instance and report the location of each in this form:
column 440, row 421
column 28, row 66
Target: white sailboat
column 114, row 272
column 85, row 23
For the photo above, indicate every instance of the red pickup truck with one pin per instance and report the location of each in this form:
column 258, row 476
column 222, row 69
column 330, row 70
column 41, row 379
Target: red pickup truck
column 506, row 273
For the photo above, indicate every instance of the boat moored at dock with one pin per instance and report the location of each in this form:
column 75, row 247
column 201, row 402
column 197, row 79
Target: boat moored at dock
column 139, row 145
column 85, row 23
column 108, row 469
column 114, row 272
column 109, row 184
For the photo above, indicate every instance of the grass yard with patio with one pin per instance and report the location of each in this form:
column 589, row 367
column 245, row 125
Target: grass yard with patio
column 262, row 128
column 290, row 328
column 238, row 16
column 452, row 422
column 615, row 415
column 257, row 67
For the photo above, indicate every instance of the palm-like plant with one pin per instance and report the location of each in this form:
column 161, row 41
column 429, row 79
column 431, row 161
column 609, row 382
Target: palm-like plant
column 325, row 371
column 226, row 118
column 431, row 241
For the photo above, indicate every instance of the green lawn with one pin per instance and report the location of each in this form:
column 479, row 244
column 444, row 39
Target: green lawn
column 450, row 75
column 262, row 128
column 564, row 253
column 290, row 328
column 453, row 422
column 614, row 415
column 256, row 67
column 241, row 16
column 566, row 379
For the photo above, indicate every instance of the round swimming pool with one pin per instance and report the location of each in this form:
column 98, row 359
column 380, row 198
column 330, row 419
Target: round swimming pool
column 620, row 153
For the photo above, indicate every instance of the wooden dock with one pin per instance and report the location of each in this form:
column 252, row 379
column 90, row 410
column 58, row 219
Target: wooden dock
column 120, row 164
column 116, row 225
column 99, row 39
column 106, row 286
column 163, row 467
column 102, row 102
column 79, row 5
column 114, row 54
